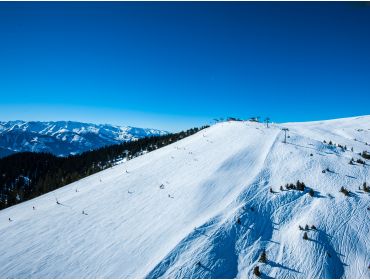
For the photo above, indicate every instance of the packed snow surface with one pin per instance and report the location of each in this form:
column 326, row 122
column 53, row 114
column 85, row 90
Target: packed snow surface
column 202, row 208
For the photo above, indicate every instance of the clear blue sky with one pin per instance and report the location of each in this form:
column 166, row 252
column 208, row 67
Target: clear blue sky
column 181, row 64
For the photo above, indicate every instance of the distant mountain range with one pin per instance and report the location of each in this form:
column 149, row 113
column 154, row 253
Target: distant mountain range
column 63, row 138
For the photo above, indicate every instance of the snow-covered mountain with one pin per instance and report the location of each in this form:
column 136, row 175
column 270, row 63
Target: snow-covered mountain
column 206, row 207
column 63, row 138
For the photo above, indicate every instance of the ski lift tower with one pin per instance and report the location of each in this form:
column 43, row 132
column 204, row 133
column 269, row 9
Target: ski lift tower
column 285, row 130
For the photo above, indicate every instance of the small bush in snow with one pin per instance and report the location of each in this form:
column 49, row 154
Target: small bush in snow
column 360, row 161
column 256, row 271
column 365, row 155
column 313, row 227
column 344, row 191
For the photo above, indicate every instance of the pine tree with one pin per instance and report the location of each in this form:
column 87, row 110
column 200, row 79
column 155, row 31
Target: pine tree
column 365, row 187
column 256, row 271
column 344, row 191
column 305, row 236
column 263, row 257
column 311, row 192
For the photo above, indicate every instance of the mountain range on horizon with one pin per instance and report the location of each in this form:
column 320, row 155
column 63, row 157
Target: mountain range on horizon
column 63, row 138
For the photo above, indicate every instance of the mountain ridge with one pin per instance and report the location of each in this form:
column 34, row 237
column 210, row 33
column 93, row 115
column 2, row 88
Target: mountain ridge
column 63, row 138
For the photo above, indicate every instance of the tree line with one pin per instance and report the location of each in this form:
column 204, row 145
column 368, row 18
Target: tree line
column 26, row 175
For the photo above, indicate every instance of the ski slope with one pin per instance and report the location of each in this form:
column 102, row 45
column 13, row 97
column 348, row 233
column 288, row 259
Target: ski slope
column 202, row 208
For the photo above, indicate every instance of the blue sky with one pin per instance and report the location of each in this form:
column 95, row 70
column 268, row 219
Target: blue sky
column 174, row 65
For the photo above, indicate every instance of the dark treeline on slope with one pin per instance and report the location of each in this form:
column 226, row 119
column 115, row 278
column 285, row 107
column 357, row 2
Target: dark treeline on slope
column 27, row 175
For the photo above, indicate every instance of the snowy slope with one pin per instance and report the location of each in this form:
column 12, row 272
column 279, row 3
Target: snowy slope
column 63, row 138
column 134, row 228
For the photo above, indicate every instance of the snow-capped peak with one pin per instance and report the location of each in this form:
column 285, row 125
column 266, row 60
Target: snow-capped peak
column 65, row 137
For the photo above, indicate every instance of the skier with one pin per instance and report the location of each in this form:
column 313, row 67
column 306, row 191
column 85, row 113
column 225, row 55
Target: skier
column 33, row 207
column 10, row 220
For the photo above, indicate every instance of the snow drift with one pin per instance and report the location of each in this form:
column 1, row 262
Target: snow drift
column 206, row 207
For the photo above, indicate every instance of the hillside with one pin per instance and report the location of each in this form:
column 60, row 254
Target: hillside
column 206, row 207
column 63, row 138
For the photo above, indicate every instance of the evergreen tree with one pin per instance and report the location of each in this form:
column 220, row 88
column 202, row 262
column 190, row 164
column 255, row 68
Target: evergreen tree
column 256, row 271
column 344, row 191
column 311, row 192
column 263, row 257
column 305, row 236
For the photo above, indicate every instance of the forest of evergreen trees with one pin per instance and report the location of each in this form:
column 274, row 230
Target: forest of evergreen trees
column 26, row 175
